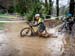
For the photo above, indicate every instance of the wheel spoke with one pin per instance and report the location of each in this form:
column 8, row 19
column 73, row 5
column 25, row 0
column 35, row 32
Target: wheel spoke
column 25, row 32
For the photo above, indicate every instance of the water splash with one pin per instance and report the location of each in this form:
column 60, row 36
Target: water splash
column 56, row 44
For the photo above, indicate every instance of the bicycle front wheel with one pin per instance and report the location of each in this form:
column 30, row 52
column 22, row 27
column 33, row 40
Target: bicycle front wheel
column 25, row 32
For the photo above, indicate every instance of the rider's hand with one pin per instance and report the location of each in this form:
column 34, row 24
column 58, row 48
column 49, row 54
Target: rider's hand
column 30, row 24
column 35, row 23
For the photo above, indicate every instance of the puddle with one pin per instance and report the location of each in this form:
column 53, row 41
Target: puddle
column 35, row 46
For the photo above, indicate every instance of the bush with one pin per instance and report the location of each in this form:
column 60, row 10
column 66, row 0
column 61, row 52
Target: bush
column 11, row 9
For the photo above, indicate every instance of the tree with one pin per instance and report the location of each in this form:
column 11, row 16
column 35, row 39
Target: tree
column 57, row 7
column 71, row 7
column 21, row 7
column 30, row 7
column 50, row 6
column 46, row 6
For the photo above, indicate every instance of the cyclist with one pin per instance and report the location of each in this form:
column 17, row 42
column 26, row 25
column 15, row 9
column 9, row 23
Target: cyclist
column 40, row 23
column 68, row 22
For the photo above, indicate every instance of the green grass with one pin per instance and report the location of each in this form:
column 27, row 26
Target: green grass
column 6, row 16
column 1, row 25
column 3, row 15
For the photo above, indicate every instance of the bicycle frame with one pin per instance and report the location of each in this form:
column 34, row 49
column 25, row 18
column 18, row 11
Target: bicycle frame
column 33, row 28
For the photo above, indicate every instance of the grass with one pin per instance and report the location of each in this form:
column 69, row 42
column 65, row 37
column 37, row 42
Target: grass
column 1, row 25
column 7, row 16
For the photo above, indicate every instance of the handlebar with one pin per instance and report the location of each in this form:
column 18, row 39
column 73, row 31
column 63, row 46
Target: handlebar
column 29, row 23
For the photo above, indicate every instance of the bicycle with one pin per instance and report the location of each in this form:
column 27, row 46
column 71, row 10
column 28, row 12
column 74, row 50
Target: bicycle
column 30, row 31
column 67, row 27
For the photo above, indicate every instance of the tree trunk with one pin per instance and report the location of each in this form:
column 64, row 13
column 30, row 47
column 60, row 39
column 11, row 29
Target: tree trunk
column 57, row 7
column 50, row 6
column 46, row 5
column 71, row 7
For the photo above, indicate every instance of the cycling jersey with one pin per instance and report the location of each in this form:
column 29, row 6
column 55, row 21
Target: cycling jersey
column 41, row 25
column 40, row 20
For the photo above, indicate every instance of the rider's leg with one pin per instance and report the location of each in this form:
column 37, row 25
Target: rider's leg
column 70, row 26
column 46, row 31
column 41, row 29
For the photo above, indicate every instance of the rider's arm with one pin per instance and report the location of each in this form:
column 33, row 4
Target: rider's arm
column 35, row 24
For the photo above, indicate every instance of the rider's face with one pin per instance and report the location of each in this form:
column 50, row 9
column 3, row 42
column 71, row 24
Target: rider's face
column 37, row 18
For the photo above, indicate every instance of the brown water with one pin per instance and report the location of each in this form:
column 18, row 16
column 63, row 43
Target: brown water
column 31, row 46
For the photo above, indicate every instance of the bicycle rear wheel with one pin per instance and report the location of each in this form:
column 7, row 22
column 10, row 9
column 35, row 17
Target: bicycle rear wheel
column 25, row 32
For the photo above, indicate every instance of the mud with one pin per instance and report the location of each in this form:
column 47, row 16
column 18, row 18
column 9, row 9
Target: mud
column 33, row 46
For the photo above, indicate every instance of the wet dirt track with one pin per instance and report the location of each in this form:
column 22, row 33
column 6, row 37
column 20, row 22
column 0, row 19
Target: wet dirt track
column 11, row 44
column 32, row 46
column 5, row 47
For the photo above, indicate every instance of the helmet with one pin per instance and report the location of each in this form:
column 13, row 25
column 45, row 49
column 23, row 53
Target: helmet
column 37, row 15
column 69, row 14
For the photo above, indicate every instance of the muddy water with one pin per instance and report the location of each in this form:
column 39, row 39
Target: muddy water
column 5, row 47
column 32, row 46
